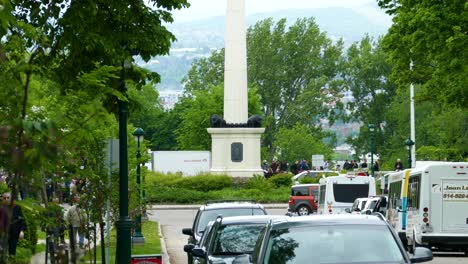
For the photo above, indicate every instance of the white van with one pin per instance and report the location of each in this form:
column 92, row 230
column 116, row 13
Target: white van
column 339, row 192
column 428, row 205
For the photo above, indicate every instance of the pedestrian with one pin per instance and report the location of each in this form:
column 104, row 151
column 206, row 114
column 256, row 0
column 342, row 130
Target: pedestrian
column 325, row 165
column 283, row 167
column 364, row 164
column 274, row 166
column 347, row 165
column 376, row 166
column 398, row 165
column 76, row 217
column 295, row 167
column 17, row 226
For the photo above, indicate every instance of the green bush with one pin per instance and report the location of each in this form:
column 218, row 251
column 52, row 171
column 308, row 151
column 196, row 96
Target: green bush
column 306, row 180
column 178, row 195
column 205, row 183
column 29, row 209
column 259, row 182
column 281, row 180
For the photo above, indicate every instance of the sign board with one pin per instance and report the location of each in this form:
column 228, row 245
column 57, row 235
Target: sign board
column 317, row 161
column 455, row 192
column 147, row 259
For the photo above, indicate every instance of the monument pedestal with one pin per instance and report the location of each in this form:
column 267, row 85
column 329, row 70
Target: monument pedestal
column 236, row 151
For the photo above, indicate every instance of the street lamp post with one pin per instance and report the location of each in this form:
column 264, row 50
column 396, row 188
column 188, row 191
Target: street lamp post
column 371, row 139
column 124, row 224
column 409, row 144
column 138, row 237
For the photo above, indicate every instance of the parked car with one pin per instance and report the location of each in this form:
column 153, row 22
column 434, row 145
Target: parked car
column 312, row 174
column 303, row 199
column 358, row 205
column 229, row 239
column 212, row 209
column 376, row 204
column 344, row 238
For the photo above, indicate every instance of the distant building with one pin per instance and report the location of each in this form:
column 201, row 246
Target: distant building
column 169, row 98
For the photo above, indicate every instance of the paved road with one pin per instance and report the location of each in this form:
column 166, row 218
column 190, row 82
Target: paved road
column 172, row 222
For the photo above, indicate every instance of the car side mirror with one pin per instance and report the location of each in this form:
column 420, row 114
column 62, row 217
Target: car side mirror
column 198, row 252
column 188, row 248
column 347, row 210
column 187, row 231
column 422, row 254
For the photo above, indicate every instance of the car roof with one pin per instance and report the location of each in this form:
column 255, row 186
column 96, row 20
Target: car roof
column 250, row 219
column 322, row 220
column 227, row 205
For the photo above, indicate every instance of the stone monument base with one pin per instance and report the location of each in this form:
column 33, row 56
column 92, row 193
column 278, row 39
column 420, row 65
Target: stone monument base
column 236, row 151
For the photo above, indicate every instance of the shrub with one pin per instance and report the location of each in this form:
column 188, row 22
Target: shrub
column 281, row 180
column 308, row 180
column 259, row 182
column 205, row 183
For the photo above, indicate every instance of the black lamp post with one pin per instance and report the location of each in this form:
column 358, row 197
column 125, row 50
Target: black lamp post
column 409, row 144
column 124, row 224
column 138, row 235
column 371, row 138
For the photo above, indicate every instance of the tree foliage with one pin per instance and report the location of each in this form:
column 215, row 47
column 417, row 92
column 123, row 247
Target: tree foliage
column 300, row 142
column 431, row 35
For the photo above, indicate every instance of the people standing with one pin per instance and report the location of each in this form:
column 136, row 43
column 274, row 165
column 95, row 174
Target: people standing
column 76, row 217
column 17, row 226
column 398, row 165
column 376, row 166
column 364, row 164
column 295, row 167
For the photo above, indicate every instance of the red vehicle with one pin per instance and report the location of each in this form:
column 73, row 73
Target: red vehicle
column 303, row 199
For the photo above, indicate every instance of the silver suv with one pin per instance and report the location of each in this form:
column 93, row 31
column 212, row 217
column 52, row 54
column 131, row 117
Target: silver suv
column 211, row 210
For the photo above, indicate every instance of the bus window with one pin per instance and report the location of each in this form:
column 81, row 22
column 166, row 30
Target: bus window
column 347, row 193
column 413, row 192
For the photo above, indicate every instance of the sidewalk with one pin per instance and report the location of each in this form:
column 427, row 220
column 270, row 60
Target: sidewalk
column 196, row 206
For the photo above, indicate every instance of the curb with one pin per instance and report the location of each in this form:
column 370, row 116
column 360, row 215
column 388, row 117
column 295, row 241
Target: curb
column 166, row 257
column 196, row 206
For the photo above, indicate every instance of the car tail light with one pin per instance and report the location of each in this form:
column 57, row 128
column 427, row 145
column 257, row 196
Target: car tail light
column 291, row 201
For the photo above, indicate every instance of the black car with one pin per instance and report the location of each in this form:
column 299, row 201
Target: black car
column 335, row 239
column 211, row 210
column 230, row 239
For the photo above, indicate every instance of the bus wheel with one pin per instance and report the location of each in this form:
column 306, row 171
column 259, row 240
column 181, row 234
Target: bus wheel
column 303, row 210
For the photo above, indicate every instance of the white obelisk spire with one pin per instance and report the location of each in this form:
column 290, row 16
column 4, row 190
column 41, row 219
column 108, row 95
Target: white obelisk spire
column 235, row 64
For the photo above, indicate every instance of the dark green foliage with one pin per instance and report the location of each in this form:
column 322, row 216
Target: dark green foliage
column 174, row 188
column 259, row 182
column 30, row 210
column 280, row 180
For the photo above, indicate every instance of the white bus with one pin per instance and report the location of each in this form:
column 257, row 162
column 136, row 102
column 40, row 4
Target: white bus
column 428, row 205
column 339, row 192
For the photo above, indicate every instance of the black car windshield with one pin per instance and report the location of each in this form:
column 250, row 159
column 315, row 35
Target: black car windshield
column 210, row 215
column 236, row 239
column 333, row 244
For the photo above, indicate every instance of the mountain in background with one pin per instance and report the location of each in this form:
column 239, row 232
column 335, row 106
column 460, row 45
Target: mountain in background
column 198, row 39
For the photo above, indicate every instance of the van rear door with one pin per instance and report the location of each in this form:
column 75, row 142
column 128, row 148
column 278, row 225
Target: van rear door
column 455, row 205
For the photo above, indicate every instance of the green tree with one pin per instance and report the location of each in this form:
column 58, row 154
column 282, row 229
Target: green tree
column 431, row 35
column 295, row 71
column 300, row 142
column 367, row 77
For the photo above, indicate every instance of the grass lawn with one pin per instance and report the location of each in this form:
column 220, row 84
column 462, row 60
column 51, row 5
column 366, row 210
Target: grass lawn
column 152, row 244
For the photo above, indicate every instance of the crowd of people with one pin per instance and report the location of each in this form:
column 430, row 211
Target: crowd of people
column 275, row 167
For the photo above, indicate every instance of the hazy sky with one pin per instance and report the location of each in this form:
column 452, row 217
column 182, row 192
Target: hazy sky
column 200, row 9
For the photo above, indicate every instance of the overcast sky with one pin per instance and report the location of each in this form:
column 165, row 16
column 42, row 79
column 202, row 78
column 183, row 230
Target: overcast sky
column 200, row 9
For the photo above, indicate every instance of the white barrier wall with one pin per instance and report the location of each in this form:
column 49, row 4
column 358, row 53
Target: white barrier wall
column 190, row 163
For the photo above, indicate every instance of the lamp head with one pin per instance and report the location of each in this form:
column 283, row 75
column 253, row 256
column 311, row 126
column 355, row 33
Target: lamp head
column 139, row 133
column 371, row 127
column 409, row 143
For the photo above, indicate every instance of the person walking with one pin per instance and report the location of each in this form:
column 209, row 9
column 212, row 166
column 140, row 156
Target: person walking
column 295, row 167
column 76, row 217
column 17, row 226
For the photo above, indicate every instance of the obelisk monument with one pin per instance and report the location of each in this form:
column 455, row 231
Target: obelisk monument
column 236, row 139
